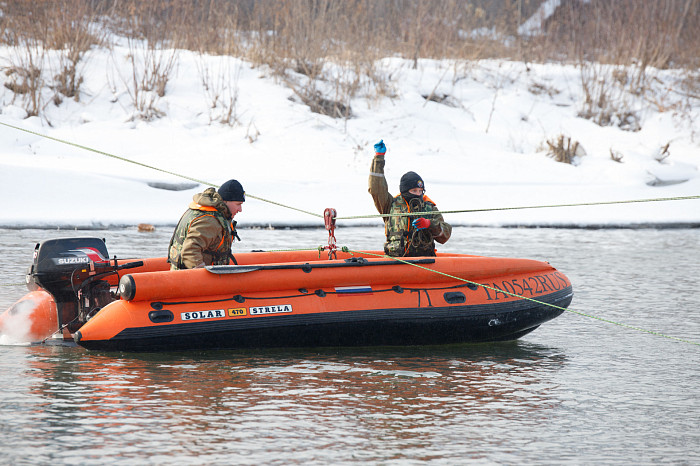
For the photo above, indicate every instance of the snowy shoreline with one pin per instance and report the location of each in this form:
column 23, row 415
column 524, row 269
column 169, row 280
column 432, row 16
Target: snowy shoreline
column 99, row 168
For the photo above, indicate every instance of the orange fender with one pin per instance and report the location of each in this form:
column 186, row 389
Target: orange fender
column 32, row 318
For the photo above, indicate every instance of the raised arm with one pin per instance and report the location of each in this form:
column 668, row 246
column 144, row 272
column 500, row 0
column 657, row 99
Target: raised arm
column 378, row 187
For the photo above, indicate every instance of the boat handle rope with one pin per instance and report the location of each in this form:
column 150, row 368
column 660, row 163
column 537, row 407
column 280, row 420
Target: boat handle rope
column 353, row 217
column 515, row 295
column 158, row 305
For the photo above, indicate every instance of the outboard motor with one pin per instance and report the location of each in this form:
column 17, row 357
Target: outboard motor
column 73, row 270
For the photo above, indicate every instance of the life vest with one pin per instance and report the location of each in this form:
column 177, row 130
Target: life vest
column 220, row 254
column 402, row 239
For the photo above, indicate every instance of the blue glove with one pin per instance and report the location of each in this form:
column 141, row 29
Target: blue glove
column 380, row 148
column 421, row 223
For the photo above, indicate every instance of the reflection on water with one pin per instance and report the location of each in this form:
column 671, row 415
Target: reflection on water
column 573, row 391
column 313, row 405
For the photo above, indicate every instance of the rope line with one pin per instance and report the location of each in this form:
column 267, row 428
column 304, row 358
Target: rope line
column 90, row 149
column 620, row 324
column 658, row 199
column 282, row 205
column 124, row 159
column 13, row 284
column 291, row 250
column 352, row 217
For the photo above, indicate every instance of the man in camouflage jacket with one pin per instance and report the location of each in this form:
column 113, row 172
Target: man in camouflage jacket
column 205, row 232
column 406, row 235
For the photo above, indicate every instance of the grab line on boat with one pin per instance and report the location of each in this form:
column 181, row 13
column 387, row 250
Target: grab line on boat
column 632, row 327
column 158, row 305
column 232, row 269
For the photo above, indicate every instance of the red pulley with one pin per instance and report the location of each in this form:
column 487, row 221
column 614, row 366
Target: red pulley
column 329, row 216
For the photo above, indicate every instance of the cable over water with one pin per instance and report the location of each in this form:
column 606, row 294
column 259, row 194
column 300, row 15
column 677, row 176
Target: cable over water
column 124, row 159
column 620, row 324
column 630, row 201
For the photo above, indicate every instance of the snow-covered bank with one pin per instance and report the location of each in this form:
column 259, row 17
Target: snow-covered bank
column 480, row 148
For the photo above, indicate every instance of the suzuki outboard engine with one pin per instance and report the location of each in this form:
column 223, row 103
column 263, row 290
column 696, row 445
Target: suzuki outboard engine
column 73, row 270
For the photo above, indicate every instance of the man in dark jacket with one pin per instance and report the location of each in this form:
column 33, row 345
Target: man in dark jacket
column 205, row 232
column 406, row 235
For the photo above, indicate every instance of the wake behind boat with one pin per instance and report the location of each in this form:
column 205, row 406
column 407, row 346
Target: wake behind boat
column 281, row 299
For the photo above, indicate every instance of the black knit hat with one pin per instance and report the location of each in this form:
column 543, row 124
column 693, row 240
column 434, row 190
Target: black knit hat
column 232, row 191
column 409, row 181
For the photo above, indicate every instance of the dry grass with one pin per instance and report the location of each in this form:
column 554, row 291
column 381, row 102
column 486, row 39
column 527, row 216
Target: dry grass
column 616, row 156
column 620, row 46
column 565, row 150
column 327, row 51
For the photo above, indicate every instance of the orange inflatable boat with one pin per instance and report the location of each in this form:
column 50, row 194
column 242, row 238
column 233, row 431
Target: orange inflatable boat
column 282, row 299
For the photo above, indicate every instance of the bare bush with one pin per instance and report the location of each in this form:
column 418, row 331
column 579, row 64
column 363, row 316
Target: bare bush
column 332, row 51
column 314, row 47
column 540, row 88
column 26, row 80
column 651, row 33
column 616, row 156
column 620, row 46
column 50, row 35
column 565, row 150
column 663, row 153
column 337, row 45
column 74, row 32
column 318, row 104
column 252, row 133
column 219, row 76
column 152, row 55
column 646, row 33
column 26, row 75
column 25, row 69
column 218, row 70
column 306, row 48
column 149, row 69
column 608, row 99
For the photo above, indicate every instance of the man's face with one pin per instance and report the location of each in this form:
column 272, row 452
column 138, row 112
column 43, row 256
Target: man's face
column 234, row 207
column 417, row 191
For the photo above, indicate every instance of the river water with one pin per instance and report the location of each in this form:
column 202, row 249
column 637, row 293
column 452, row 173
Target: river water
column 578, row 390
